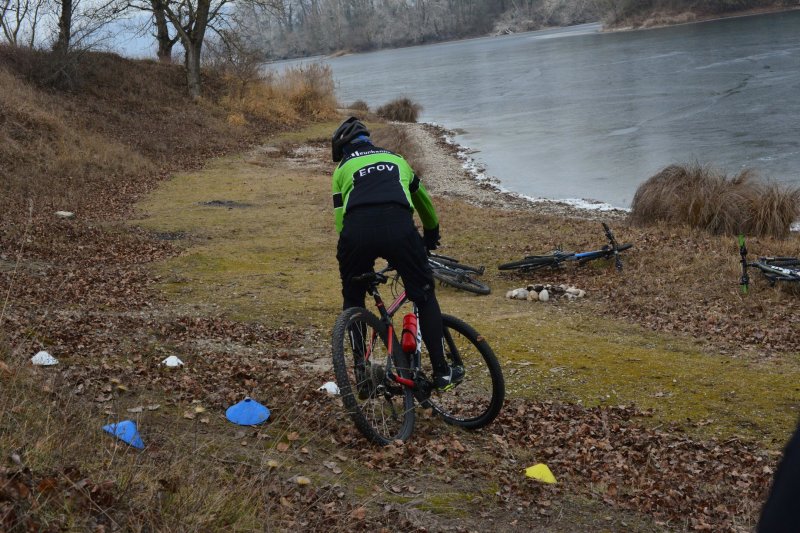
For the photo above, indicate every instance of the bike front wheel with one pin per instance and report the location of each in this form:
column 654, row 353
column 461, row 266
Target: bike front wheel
column 382, row 410
column 478, row 399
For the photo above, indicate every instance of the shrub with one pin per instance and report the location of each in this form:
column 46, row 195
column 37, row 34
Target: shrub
column 306, row 91
column 397, row 140
column 400, row 110
column 702, row 197
column 359, row 105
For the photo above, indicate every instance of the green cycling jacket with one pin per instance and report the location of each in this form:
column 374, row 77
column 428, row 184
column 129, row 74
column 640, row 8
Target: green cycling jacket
column 368, row 175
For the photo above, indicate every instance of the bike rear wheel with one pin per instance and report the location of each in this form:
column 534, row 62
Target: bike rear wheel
column 452, row 263
column 382, row 410
column 477, row 400
column 534, row 262
column 461, row 281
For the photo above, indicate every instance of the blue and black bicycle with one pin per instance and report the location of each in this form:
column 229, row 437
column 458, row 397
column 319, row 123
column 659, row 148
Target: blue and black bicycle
column 555, row 258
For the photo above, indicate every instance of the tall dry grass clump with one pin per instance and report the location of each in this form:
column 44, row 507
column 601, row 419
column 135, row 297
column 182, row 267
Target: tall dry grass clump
column 400, row 110
column 704, row 198
column 302, row 92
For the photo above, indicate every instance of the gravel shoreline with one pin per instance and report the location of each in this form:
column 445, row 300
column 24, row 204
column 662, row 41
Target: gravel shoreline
column 449, row 171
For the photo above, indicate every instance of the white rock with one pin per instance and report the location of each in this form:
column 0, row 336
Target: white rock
column 521, row 294
column 330, row 387
column 544, row 295
column 65, row 214
column 44, row 359
column 510, row 294
column 581, row 293
column 172, row 361
column 573, row 291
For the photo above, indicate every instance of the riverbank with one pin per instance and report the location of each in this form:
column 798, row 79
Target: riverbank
column 450, row 171
column 665, row 19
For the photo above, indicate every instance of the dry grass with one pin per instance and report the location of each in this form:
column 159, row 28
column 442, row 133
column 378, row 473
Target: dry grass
column 703, row 198
column 126, row 122
column 298, row 93
column 400, row 110
column 44, row 157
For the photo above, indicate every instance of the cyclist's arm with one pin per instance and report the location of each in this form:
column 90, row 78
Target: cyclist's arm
column 338, row 201
column 423, row 204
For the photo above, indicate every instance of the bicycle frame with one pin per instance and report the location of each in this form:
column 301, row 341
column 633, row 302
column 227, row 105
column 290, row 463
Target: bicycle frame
column 386, row 315
column 558, row 256
column 773, row 273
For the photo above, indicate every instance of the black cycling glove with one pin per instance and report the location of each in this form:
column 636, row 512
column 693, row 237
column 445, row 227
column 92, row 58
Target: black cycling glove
column 431, row 238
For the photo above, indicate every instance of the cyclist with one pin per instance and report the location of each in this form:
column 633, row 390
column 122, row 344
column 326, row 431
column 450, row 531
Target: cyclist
column 375, row 193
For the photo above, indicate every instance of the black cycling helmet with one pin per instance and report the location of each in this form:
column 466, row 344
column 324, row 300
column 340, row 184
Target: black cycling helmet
column 349, row 130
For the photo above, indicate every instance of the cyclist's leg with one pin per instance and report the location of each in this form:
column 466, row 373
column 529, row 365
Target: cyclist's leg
column 355, row 258
column 409, row 257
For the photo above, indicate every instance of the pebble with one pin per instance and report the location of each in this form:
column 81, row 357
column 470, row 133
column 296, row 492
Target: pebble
column 544, row 293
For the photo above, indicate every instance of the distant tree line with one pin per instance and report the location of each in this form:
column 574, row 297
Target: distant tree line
column 246, row 32
column 297, row 28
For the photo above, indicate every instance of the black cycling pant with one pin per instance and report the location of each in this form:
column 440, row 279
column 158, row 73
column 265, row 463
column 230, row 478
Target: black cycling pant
column 781, row 511
column 388, row 231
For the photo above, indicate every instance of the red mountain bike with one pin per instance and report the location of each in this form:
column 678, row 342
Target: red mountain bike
column 379, row 377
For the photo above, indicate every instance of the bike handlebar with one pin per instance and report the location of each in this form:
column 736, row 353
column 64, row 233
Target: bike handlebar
column 744, row 281
column 614, row 246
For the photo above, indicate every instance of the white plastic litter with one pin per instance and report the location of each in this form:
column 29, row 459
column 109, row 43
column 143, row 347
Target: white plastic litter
column 44, row 359
column 330, row 387
column 65, row 214
column 172, row 361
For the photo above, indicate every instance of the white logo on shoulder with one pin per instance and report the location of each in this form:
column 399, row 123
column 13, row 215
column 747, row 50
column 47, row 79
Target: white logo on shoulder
column 382, row 167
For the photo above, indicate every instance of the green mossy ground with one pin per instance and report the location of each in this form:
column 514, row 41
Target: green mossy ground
column 273, row 261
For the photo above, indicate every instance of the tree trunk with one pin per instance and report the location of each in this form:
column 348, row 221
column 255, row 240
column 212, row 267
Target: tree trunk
column 64, row 27
column 193, row 67
column 165, row 42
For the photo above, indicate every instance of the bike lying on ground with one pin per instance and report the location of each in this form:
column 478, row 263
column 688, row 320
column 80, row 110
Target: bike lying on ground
column 555, row 258
column 379, row 377
column 775, row 269
column 450, row 272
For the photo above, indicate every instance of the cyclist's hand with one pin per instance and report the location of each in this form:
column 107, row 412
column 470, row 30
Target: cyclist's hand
column 431, row 238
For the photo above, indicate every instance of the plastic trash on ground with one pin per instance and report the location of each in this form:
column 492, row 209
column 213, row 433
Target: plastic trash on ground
column 172, row 361
column 330, row 387
column 248, row 412
column 540, row 472
column 44, row 359
column 126, row 432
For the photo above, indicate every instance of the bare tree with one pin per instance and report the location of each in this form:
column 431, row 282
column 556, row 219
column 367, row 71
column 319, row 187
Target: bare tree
column 20, row 20
column 233, row 54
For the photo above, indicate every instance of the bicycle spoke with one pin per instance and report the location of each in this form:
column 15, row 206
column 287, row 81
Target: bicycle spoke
column 381, row 412
column 478, row 398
